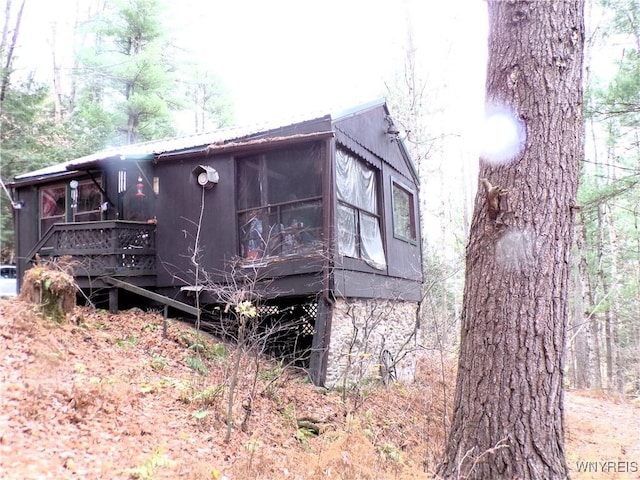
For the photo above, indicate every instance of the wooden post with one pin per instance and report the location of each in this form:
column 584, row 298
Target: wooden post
column 113, row 300
column 164, row 321
column 320, row 343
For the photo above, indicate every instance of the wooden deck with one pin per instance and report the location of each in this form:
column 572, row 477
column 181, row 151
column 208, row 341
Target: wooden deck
column 114, row 248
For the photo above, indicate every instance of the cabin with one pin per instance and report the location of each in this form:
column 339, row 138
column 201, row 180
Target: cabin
column 313, row 221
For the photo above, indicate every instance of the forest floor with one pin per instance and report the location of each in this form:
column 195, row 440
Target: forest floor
column 106, row 396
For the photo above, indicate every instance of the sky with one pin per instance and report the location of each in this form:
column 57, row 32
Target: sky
column 280, row 58
column 286, row 55
column 283, row 54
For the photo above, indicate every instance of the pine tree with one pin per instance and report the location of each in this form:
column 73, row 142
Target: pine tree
column 508, row 408
column 128, row 74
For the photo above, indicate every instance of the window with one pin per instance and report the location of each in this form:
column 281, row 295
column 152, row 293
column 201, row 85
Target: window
column 8, row 271
column 88, row 206
column 404, row 225
column 83, row 204
column 280, row 202
column 359, row 233
column 53, row 206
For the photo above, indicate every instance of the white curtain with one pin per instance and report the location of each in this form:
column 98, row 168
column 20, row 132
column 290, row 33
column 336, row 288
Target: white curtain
column 347, row 231
column 371, row 241
column 356, row 184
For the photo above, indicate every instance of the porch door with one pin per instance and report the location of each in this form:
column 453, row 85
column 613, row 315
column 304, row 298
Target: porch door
column 87, row 204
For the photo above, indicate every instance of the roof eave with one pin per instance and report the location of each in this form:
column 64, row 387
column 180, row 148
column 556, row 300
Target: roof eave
column 97, row 162
column 248, row 145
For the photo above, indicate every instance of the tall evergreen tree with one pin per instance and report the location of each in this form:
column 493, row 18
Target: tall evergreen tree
column 128, row 74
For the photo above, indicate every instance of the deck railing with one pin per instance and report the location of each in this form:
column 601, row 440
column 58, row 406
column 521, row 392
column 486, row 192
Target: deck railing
column 113, row 248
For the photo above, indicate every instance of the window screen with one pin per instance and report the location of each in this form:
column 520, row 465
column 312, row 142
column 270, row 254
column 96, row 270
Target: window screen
column 280, row 202
column 88, row 204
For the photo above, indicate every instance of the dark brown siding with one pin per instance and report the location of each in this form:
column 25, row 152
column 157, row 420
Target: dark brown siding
column 403, row 257
column 26, row 226
column 348, row 283
column 365, row 135
column 178, row 211
column 369, row 131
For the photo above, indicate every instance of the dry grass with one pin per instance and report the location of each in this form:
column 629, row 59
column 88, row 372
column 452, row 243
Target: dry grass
column 602, row 436
column 106, row 397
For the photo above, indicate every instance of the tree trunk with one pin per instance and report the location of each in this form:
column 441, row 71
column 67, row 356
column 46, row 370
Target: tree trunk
column 617, row 368
column 579, row 331
column 57, row 78
column 593, row 361
column 8, row 56
column 604, row 282
column 508, row 417
column 635, row 327
column 5, row 28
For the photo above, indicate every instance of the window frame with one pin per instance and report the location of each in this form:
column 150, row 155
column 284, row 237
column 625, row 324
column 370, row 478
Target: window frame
column 70, row 213
column 362, row 211
column 413, row 224
column 263, row 231
column 46, row 221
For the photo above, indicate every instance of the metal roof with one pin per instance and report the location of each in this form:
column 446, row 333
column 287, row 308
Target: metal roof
column 150, row 150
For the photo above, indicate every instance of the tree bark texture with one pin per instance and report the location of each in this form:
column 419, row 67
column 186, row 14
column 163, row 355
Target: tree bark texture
column 508, row 419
